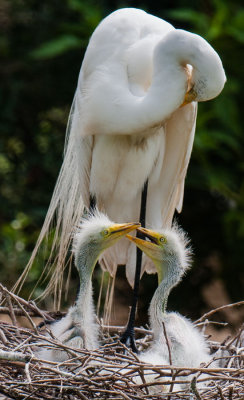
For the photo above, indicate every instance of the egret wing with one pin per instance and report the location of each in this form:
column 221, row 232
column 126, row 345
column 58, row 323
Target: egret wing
column 166, row 193
column 179, row 137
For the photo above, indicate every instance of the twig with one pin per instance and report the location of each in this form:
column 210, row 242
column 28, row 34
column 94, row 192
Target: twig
column 239, row 303
column 113, row 328
column 124, row 395
column 230, row 392
column 206, row 322
column 14, row 356
column 167, row 342
column 110, row 371
column 173, row 373
column 27, row 372
column 27, row 315
column 194, row 388
column 29, row 304
column 80, row 394
column 220, row 392
column 3, row 337
column 11, row 310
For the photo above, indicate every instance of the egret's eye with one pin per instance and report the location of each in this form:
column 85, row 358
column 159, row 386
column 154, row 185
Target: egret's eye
column 162, row 239
column 105, row 232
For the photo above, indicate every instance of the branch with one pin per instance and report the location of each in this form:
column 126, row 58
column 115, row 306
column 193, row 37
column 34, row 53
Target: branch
column 239, row 303
column 14, row 356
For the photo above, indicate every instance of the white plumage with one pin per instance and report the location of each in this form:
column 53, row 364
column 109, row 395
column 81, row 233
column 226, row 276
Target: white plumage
column 79, row 329
column 171, row 255
column 126, row 126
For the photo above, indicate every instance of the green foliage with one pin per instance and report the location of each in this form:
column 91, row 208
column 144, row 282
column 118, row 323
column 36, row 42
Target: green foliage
column 41, row 47
column 56, row 47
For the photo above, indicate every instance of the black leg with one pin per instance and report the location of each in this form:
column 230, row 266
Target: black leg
column 128, row 336
column 93, row 203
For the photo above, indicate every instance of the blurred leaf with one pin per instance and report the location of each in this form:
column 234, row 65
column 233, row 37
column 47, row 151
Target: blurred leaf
column 197, row 19
column 56, row 47
column 236, row 27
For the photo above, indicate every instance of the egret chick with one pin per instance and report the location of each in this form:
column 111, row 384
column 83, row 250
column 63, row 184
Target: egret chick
column 171, row 255
column 78, row 329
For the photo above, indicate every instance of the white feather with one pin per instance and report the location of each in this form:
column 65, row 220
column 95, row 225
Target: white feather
column 180, row 344
column 126, row 127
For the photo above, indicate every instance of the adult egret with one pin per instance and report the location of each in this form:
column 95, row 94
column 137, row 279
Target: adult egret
column 176, row 340
column 127, row 127
column 79, row 329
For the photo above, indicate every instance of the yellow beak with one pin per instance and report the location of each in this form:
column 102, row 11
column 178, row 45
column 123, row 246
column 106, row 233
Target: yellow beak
column 151, row 248
column 145, row 245
column 118, row 230
column 189, row 97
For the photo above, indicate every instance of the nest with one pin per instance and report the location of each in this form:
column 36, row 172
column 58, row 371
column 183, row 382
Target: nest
column 112, row 371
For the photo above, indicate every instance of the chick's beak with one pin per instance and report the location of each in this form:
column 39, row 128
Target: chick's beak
column 150, row 247
column 145, row 245
column 118, row 230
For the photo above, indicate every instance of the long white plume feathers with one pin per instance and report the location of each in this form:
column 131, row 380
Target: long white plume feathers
column 66, row 207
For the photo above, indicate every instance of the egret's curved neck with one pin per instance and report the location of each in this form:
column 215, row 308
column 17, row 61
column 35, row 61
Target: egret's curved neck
column 119, row 111
column 169, row 82
column 157, row 310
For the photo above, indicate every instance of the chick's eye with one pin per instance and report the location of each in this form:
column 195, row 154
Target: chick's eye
column 105, row 232
column 162, row 239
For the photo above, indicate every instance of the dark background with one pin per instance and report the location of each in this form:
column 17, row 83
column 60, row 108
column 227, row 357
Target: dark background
column 42, row 44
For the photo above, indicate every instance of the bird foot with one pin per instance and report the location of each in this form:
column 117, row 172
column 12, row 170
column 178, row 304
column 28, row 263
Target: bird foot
column 128, row 338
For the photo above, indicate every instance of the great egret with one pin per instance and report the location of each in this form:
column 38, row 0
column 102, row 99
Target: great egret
column 176, row 340
column 127, row 127
column 78, row 329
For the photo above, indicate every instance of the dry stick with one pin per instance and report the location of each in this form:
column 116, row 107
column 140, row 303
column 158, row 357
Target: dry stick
column 99, row 354
column 207, row 322
column 230, row 392
column 15, row 393
column 80, row 394
column 14, row 356
column 239, row 335
column 235, row 337
column 170, row 358
column 127, row 378
column 100, row 295
column 123, row 357
column 3, row 337
column 23, row 344
column 29, row 304
column 30, row 396
column 223, row 377
column 119, row 329
column 11, row 310
column 26, row 314
column 141, row 373
column 83, row 363
column 124, row 395
column 239, row 303
column 220, row 392
column 5, row 310
column 14, row 336
column 194, row 388
column 27, row 372
column 167, row 342
column 47, row 316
